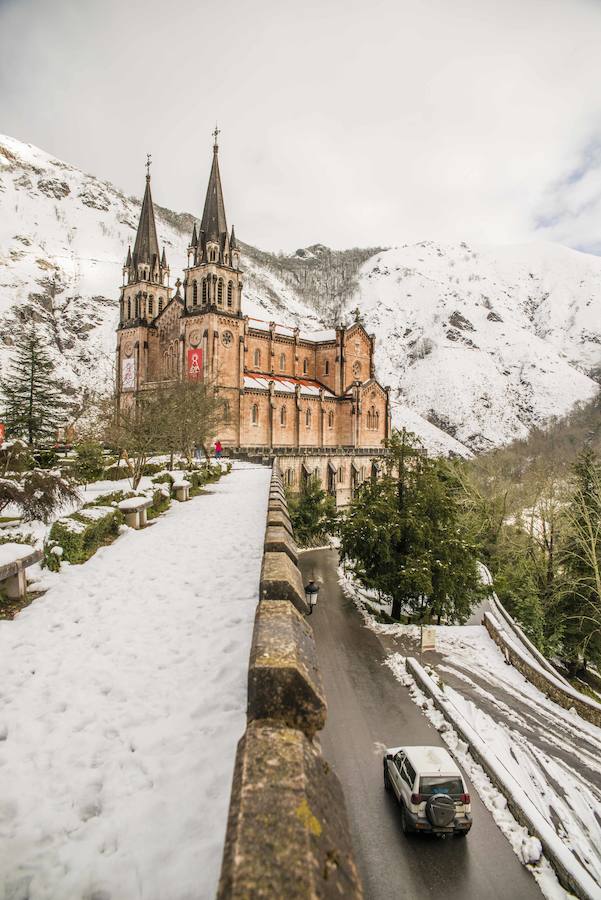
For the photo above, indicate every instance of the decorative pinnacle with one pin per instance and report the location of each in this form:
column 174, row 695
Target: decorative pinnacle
column 148, row 164
column 216, row 134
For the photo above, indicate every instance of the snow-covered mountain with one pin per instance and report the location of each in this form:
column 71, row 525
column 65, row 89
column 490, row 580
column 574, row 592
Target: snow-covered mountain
column 478, row 344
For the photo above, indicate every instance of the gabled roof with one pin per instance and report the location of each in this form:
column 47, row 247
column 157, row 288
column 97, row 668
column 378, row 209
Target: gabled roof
column 146, row 248
column 285, row 384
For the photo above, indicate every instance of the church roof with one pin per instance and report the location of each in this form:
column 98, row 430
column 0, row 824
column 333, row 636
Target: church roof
column 146, row 248
column 285, row 384
column 213, row 221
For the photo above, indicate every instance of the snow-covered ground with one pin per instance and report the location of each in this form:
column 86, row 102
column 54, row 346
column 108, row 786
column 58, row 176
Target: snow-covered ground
column 122, row 698
column 551, row 755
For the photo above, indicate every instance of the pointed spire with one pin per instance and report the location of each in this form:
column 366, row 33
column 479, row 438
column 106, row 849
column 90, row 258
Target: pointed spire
column 147, row 246
column 233, row 244
column 194, row 241
column 163, row 259
column 128, row 260
column 213, row 218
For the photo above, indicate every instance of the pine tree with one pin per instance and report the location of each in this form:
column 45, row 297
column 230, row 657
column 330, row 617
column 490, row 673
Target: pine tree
column 581, row 565
column 312, row 513
column 33, row 399
column 405, row 537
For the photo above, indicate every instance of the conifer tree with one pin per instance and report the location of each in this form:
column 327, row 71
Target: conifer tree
column 581, row 565
column 312, row 513
column 404, row 536
column 33, row 399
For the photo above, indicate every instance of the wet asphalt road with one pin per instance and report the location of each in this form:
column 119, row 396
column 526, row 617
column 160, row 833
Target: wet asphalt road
column 367, row 710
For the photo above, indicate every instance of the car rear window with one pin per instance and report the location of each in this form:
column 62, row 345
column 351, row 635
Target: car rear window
column 437, row 785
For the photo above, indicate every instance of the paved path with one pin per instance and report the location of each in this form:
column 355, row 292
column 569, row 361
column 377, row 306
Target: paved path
column 369, row 709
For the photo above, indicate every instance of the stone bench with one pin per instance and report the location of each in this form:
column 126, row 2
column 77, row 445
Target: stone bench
column 182, row 490
column 14, row 559
column 134, row 510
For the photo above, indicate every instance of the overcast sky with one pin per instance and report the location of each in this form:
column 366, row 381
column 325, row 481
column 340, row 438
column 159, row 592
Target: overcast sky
column 347, row 122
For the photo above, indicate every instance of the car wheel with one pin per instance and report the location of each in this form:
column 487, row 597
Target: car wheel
column 387, row 781
column 462, row 834
column 404, row 820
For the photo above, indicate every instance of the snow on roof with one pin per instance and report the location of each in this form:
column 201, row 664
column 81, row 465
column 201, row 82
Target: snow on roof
column 326, row 334
column 429, row 760
column 285, row 385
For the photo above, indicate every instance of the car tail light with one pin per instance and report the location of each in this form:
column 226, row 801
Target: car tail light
column 417, row 798
column 465, row 798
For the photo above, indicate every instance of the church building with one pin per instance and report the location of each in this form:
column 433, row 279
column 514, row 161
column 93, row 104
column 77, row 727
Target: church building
column 311, row 399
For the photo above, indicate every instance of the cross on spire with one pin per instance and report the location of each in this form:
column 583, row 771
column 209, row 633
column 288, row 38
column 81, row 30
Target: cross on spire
column 216, row 134
column 148, row 164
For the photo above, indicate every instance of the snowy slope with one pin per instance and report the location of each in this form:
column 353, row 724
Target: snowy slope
column 483, row 343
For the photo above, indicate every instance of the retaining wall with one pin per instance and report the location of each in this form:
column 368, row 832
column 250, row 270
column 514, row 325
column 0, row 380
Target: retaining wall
column 287, row 833
column 556, row 689
column 572, row 875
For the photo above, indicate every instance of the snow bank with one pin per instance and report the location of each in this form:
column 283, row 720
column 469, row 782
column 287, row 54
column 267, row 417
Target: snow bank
column 123, row 698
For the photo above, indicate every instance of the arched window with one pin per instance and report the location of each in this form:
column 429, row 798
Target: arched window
column 283, row 416
column 151, row 305
column 226, row 412
column 330, row 420
column 257, row 357
column 220, row 292
column 230, row 293
column 160, row 304
column 128, row 308
column 377, row 421
column 326, row 367
column 305, row 366
column 308, row 418
column 195, row 294
column 282, row 362
column 137, row 307
column 289, row 476
column 340, row 475
column 255, row 414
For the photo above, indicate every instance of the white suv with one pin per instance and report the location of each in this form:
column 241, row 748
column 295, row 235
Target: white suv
column 429, row 786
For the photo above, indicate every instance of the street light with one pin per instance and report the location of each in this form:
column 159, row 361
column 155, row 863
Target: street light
column 311, row 594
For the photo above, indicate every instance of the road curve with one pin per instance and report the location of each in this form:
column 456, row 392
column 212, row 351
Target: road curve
column 367, row 709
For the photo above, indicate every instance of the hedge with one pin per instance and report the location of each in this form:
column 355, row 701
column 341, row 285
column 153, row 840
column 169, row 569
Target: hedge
column 81, row 534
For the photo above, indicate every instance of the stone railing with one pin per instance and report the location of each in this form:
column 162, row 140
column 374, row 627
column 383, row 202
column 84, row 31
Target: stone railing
column 287, row 834
column 563, row 694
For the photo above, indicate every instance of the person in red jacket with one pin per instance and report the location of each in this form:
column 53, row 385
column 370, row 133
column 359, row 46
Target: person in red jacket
column 218, row 449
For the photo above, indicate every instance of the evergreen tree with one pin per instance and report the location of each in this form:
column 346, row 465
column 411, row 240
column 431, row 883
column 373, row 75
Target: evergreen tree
column 405, row 536
column 312, row 513
column 33, row 398
column 89, row 461
column 581, row 565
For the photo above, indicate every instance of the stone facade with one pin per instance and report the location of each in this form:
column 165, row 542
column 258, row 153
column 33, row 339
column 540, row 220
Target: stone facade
column 311, row 399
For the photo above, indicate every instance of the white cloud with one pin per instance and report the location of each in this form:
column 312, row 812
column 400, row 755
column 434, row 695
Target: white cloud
column 342, row 122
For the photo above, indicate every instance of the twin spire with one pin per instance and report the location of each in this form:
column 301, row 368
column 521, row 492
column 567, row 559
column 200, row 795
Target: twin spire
column 213, row 227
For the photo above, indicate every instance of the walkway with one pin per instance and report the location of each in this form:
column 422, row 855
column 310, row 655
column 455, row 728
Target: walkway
column 122, row 698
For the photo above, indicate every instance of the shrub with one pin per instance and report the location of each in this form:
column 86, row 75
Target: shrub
column 45, row 459
column 89, row 462
column 118, row 473
column 81, row 534
column 152, row 469
column 163, row 478
column 161, row 500
column 110, row 499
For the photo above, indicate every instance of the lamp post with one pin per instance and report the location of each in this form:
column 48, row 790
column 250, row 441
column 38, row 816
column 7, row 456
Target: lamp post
column 311, row 594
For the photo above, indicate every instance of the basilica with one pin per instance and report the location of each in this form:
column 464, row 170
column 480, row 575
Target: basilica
column 311, row 399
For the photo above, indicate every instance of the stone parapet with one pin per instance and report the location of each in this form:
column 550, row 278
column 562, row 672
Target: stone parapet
column 284, row 682
column 287, row 833
column 279, row 540
column 281, row 580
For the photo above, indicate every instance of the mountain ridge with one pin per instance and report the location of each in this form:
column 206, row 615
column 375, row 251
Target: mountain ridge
column 478, row 344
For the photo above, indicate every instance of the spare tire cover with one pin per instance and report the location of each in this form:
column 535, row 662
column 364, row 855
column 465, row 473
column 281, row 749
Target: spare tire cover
column 440, row 810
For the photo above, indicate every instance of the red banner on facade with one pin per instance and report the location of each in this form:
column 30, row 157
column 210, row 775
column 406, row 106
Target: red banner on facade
column 195, row 363
column 2, row 432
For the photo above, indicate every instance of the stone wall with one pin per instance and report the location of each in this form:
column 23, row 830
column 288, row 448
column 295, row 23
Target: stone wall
column 556, row 690
column 287, row 834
